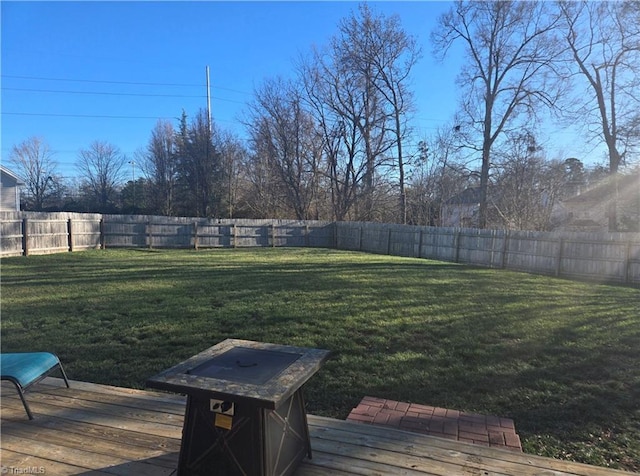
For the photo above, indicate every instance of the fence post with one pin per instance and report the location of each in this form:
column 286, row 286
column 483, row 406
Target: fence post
column 25, row 236
column 149, row 234
column 70, row 235
column 505, row 249
column 456, row 243
column 420, row 243
column 195, row 235
column 103, row 241
column 559, row 261
column 273, row 235
column 235, row 236
column 627, row 268
column 306, row 235
column 360, row 238
column 493, row 248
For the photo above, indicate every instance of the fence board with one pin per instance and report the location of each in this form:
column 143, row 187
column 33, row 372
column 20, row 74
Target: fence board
column 11, row 237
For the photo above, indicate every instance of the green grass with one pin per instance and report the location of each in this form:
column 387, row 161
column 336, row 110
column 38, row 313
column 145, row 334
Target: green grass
column 561, row 358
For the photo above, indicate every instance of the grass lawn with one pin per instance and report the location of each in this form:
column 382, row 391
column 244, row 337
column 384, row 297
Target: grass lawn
column 561, row 358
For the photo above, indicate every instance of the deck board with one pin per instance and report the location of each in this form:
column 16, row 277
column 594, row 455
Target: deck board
column 93, row 429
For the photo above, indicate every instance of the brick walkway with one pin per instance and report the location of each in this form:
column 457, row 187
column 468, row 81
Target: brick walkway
column 470, row 427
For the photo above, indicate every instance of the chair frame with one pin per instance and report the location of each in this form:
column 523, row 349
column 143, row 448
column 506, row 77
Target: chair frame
column 22, row 389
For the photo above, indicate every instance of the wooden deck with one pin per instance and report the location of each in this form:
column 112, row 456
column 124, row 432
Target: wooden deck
column 94, row 429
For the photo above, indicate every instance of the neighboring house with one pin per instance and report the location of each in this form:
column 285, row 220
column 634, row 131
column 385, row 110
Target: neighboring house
column 588, row 211
column 10, row 185
column 462, row 209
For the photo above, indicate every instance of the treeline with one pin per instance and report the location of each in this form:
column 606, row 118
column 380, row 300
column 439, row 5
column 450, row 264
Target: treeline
column 335, row 142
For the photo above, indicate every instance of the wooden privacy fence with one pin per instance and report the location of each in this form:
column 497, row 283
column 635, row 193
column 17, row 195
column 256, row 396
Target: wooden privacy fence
column 605, row 257
column 41, row 233
column 198, row 233
column 27, row 233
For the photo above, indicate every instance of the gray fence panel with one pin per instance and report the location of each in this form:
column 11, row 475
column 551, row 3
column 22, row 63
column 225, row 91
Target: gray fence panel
column 599, row 256
column 11, row 237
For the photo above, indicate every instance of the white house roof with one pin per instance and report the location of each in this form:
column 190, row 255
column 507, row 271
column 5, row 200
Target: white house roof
column 11, row 174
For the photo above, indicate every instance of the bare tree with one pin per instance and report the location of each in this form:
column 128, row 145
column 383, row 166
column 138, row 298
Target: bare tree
column 343, row 88
column 438, row 176
column 263, row 197
column 510, row 49
column 284, row 135
column 348, row 109
column 421, row 188
column 336, row 108
column 362, row 103
column 100, row 167
column 33, row 161
column 159, row 164
column 378, row 48
column 604, row 45
column 234, row 154
column 526, row 186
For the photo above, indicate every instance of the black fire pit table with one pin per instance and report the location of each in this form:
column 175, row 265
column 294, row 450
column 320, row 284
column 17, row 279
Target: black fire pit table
column 245, row 407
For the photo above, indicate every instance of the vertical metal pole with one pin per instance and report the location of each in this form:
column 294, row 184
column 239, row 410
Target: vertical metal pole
column 133, row 181
column 209, row 101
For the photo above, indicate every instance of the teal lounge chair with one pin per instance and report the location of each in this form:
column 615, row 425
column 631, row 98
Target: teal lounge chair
column 24, row 369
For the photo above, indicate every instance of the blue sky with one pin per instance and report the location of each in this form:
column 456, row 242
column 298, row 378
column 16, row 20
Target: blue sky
column 75, row 72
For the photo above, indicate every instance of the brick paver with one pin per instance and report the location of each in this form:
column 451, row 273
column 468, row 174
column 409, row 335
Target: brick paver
column 487, row 430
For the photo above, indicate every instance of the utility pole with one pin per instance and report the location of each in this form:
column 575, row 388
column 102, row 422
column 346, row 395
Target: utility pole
column 209, row 101
column 205, row 210
column 133, row 180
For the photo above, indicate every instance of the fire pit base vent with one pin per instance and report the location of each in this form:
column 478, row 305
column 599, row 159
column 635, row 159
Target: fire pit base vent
column 260, row 441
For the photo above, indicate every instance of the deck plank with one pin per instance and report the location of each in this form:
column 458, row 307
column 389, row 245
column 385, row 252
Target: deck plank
column 89, row 458
column 15, row 462
column 129, row 445
column 93, row 429
column 101, row 414
column 442, row 453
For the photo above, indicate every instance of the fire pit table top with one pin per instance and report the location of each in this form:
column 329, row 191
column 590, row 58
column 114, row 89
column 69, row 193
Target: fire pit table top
column 264, row 374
